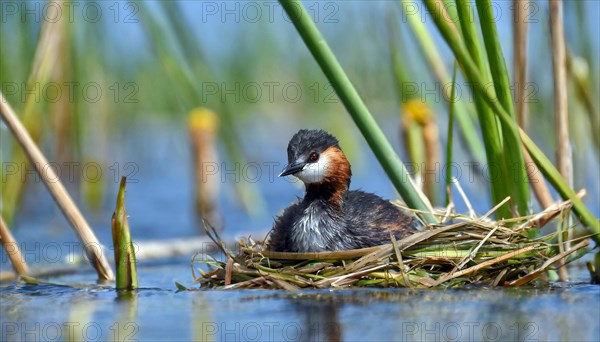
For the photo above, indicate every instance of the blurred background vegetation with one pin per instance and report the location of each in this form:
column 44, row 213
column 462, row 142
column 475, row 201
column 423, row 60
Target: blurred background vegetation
column 109, row 87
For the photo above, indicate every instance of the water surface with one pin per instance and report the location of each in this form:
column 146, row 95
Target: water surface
column 567, row 312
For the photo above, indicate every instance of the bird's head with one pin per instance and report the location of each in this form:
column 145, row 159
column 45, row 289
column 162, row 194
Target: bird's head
column 315, row 157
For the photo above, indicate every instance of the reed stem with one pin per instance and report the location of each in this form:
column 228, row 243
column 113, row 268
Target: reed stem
column 450, row 142
column 92, row 246
column 520, row 15
column 202, row 127
column 561, row 116
column 125, row 260
column 564, row 162
column 11, row 247
column 521, row 11
column 490, row 128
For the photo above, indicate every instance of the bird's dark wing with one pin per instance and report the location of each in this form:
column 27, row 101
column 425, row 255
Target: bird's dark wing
column 377, row 217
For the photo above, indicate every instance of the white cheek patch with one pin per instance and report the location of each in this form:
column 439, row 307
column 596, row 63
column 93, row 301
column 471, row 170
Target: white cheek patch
column 314, row 172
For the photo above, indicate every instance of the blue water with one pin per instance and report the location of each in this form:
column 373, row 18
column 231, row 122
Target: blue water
column 158, row 312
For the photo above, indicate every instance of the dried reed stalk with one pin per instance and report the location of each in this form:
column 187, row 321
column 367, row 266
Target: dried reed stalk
column 12, row 249
column 564, row 162
column 57, row 190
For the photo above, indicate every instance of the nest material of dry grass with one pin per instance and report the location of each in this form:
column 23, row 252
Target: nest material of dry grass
column 472, row 250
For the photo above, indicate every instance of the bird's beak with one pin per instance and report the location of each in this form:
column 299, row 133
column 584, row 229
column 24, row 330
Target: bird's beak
column 292, row 168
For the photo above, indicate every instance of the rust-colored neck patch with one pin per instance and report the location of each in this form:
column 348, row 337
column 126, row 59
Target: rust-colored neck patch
column 337, row 176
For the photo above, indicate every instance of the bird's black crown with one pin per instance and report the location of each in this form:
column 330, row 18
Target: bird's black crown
column 310, row 140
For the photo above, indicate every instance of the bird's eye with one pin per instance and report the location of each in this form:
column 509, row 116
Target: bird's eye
column 313, row 157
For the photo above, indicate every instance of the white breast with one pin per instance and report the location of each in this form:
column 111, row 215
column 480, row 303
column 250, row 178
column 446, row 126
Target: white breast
column 306, row 233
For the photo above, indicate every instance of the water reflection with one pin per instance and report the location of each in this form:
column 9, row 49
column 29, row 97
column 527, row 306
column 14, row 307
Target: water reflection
column 474, row 314
column 126, row 314
column 319, row 319
column 477, row 313
column 202, row 318
column 80, row 320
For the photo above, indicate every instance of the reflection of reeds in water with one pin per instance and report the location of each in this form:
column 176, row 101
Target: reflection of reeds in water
column 320, row 318
column 81, row 314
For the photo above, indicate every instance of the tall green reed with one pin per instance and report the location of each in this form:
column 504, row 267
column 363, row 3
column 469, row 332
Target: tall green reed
column 124, row 250
column 490, row 128
column 450, row 136
column 515, row 164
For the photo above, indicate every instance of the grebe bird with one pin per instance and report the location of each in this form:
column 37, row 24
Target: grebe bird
column 330, row 217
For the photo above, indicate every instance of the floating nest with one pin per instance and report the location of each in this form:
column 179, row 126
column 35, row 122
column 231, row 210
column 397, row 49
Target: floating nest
column 462, row 250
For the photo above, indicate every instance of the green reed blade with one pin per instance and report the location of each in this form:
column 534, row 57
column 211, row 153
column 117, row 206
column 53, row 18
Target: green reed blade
column 490, row 128
column 123, row 247
column 450, row 134
column 512, row 146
